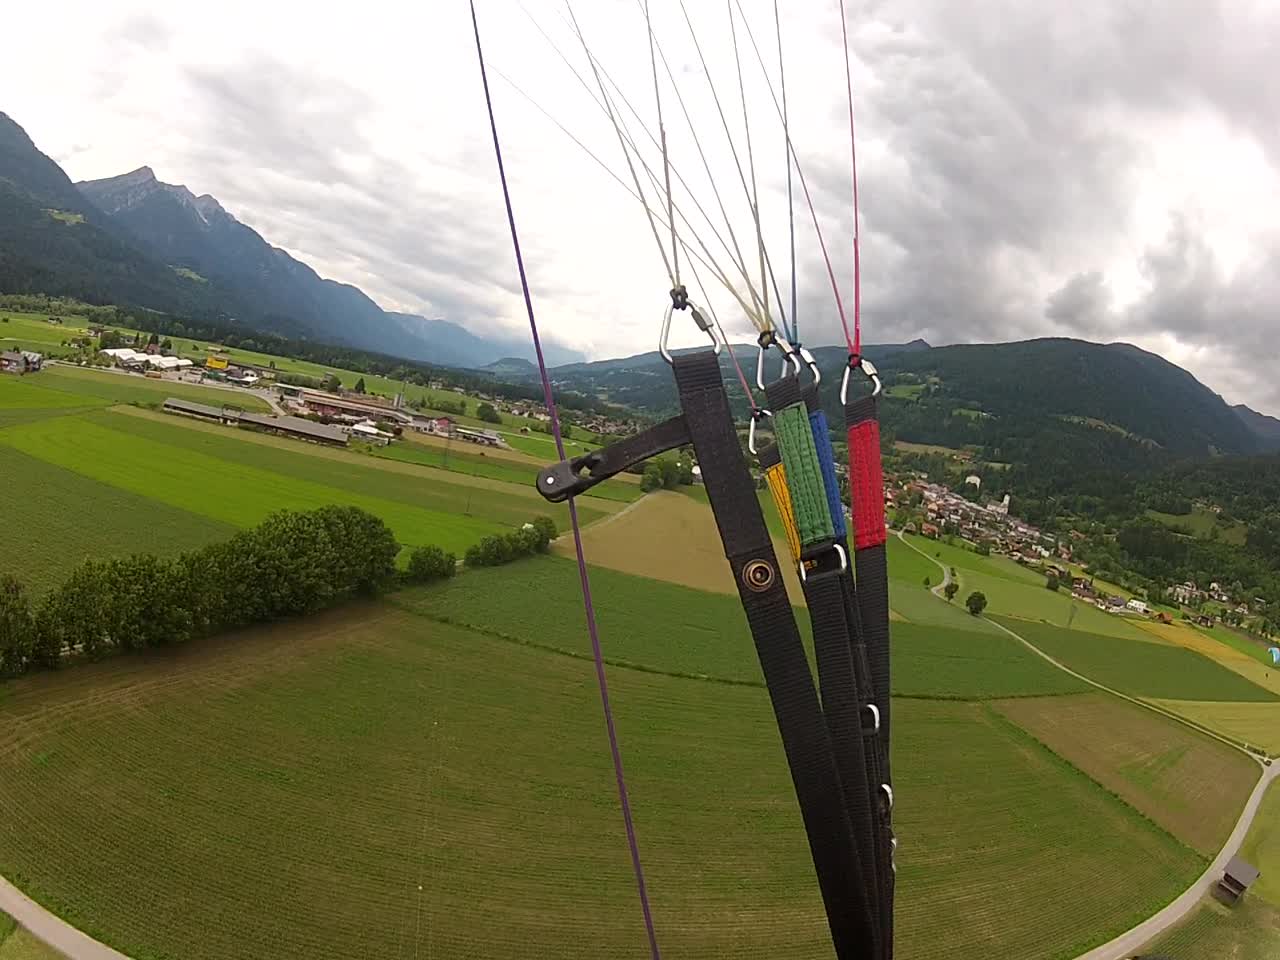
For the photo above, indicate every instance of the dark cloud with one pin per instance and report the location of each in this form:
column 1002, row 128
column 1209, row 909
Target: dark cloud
column 1012, row 142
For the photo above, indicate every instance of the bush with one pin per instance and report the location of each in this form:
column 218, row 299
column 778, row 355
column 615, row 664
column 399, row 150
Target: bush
column 651, row 479
column 976, row 603
column 499, row 548
column 488, row 413
column 431, row 563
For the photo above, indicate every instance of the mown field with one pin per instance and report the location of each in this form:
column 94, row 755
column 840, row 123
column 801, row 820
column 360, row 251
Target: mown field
column 1190, row 784
column 374, row 783
column 1250, row 931
column 94, row 480
column 1203, row 523
column 664, row 627
column 18, row 944
column 1141, row 668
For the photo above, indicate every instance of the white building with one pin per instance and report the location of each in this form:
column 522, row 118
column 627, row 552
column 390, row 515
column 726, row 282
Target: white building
column 1137, row 606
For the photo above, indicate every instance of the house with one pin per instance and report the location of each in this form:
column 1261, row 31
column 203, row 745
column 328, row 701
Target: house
column 930, row 530
column 1204, row 620
column 217, row 361
column 1136, row 605
column 1236, row 879
column 1164, row 617
column 12, row 362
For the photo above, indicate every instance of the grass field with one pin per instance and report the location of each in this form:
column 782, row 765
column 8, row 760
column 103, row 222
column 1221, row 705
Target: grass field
column 69, row 517
column 103, row 388
column 1249, row 931
column 909, row 566
column 1262, row 848
column 1203, row 523
column 1190, row 784
column 1257, row 724
column 18, row 944
column 1141, row 668
column 964, row 559
column 670, row 537
column 496, row 468
column 1030, row 601
column 908, row 447
column 372, row 784
column 1229, row 655
column 663, row 627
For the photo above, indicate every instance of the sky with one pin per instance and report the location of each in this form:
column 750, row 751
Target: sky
column 1106, row 169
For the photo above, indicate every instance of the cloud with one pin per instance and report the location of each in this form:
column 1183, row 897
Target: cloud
column 1106, row 170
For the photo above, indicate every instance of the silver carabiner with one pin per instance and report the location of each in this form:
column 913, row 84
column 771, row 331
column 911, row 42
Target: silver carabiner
column 868, row 368
column 666, row 333
column 751, row 430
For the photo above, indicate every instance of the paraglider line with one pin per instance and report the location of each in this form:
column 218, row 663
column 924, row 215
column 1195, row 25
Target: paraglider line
column 597, row 654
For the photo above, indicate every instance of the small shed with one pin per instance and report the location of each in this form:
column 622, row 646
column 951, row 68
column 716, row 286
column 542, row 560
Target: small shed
column 1236, row 879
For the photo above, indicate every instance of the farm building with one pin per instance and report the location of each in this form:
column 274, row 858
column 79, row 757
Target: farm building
column 1137, row 606
column 368, row 431
column 1236, row 879
column 12, row 362
column 295, row 427
column 332, row 405
column 486, row 438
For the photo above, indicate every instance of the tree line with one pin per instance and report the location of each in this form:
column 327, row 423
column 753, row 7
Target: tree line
column 292, row 564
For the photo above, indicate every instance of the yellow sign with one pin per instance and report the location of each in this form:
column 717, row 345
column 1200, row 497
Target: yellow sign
column 216, row 363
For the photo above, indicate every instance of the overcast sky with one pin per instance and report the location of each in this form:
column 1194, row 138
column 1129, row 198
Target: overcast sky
column 1106, row 169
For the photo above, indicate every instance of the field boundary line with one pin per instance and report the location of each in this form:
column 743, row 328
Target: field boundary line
column 51, row 929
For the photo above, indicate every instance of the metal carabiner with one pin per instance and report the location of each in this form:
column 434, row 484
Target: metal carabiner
column 756, row 414
column 812, row 364
column 707, row 328
column 868, row 368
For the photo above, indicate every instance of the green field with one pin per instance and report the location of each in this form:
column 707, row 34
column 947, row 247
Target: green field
column 102, row 388
column 963, row 559
column 1262, row 847
column 1203, row 523
column 1140, row 668
column 1190, row 784
column 668, row 628
column 909, row 566
column 374, row 784
column 495, row 468
column 919, row 606
column 1250, row 931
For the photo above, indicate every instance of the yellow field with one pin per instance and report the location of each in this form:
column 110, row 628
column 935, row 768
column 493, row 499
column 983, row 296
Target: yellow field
column 1255, row 670
column 1257, row 724
column 668, row 536
column 1190, row 784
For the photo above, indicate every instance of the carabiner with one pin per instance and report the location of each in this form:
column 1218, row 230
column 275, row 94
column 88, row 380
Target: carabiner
column 756, row 414
column 708, row 328
column 868, row 368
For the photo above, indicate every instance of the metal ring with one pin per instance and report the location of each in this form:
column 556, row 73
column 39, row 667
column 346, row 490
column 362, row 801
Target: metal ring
column 875, row 713
column 758, row 575
column 888, row 792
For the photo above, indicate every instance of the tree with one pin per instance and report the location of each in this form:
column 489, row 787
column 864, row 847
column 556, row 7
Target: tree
column 331, row 383
column 1051, row 582
column 976, row 602
column 359, row 387
column 153, row 340
column 984, row 549
column 927, row 583
column 566, row 430
column 489, row 414
column 670, row 474
column 17, row 628
column 951, row 589
column 166, row 344
column 110, row 340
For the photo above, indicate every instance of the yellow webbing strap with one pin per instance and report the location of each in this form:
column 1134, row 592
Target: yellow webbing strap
column 776, row 477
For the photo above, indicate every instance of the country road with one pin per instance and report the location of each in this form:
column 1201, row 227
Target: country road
column 1125, row 945
column 51, row 929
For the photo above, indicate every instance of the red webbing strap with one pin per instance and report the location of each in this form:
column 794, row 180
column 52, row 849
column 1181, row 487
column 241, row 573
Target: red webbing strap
column 866, row 475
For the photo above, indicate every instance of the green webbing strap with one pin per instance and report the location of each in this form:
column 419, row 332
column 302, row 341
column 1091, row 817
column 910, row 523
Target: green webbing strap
column 804, row 473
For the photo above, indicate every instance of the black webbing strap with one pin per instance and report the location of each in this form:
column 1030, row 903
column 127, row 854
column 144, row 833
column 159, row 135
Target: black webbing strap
column 566, row 479
column 866, row 490
column 801, row 723
column 843, row 681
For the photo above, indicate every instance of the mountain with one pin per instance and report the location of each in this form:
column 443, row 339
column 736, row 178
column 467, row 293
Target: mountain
column 138, row 242
column 53, row 241
column 1264, row 428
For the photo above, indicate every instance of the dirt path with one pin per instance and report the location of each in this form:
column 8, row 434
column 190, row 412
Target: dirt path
column 1132, row 940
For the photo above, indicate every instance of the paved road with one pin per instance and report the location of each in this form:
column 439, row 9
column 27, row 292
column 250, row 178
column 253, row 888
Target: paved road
column 1128, row 943
column 54, row 931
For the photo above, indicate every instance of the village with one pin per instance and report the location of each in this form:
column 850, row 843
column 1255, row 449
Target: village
column 991, row 528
